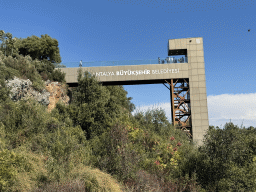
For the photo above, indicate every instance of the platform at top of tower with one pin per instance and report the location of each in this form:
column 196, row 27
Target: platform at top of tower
column 180, row 46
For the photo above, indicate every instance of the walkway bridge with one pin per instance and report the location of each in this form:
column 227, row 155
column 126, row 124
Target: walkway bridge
column 182, row 72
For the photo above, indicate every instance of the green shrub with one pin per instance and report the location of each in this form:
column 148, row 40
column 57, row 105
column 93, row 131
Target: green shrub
column 8, row 171
column 2, row 137
column 225, row 161
column 18, row 171
column 113, row 154
column 83, row 178
column 96, row 180
column 57, row 75
column 22, row 67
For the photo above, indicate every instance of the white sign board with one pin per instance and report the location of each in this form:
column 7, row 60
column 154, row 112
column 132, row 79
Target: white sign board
column 137, row 72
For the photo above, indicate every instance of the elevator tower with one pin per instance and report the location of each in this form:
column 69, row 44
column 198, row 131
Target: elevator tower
column 188, row 95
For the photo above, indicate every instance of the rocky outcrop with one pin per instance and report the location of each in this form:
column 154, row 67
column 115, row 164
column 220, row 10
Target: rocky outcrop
column 22, row 89
column 58, row 92
column 53, row 92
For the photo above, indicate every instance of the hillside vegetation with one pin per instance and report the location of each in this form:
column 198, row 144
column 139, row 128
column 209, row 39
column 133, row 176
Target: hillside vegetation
column 96, row 144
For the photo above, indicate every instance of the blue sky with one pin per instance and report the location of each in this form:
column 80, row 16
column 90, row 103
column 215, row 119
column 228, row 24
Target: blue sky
column 129, row 30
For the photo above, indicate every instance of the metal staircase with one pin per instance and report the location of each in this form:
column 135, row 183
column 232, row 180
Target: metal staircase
column 180, row 104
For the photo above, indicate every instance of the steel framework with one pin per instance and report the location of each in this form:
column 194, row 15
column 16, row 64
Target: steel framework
column 180, row 104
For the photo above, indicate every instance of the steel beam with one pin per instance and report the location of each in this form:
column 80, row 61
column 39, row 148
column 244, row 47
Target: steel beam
column 180, row 104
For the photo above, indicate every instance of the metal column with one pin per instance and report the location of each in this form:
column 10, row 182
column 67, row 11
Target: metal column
column 180, row 104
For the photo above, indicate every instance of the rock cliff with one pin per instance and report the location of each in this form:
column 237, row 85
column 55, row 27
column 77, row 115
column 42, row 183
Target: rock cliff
column 53, row 92
column 58, row 92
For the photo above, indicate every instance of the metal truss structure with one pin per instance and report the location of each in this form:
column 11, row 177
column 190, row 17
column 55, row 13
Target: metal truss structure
column 180, row 104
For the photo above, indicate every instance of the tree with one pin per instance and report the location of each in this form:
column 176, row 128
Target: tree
column 7, row 45
column 95, row 107
column 155, row 120
column 44, row 49
column 88, row 106
column 120, row 96
column 40, row 48
column 226, row 161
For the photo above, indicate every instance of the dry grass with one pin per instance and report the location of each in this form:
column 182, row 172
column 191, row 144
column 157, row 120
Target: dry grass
column 145, row 182
column 84, row 178
column 69, row 186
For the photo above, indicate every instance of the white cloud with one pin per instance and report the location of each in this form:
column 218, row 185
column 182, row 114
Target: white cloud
column 240, row 108
column 165, row 106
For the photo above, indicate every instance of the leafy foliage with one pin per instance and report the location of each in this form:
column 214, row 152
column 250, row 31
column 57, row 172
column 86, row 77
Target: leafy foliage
column 7, row 44
column 95, row 107
column 8, row 168
column 39, row 48
column 42, row 53
column 226, row 160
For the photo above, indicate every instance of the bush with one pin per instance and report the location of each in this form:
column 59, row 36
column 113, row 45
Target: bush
column 96, row 180
column 20, row 170
column 226, row 160
column 114, row 155
column 83, row 178
column 57, row 75
column 76, row 185
column 22, row 67
column 28, row 125
column 8, row 170
column 26, row 68
column 144, row 182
